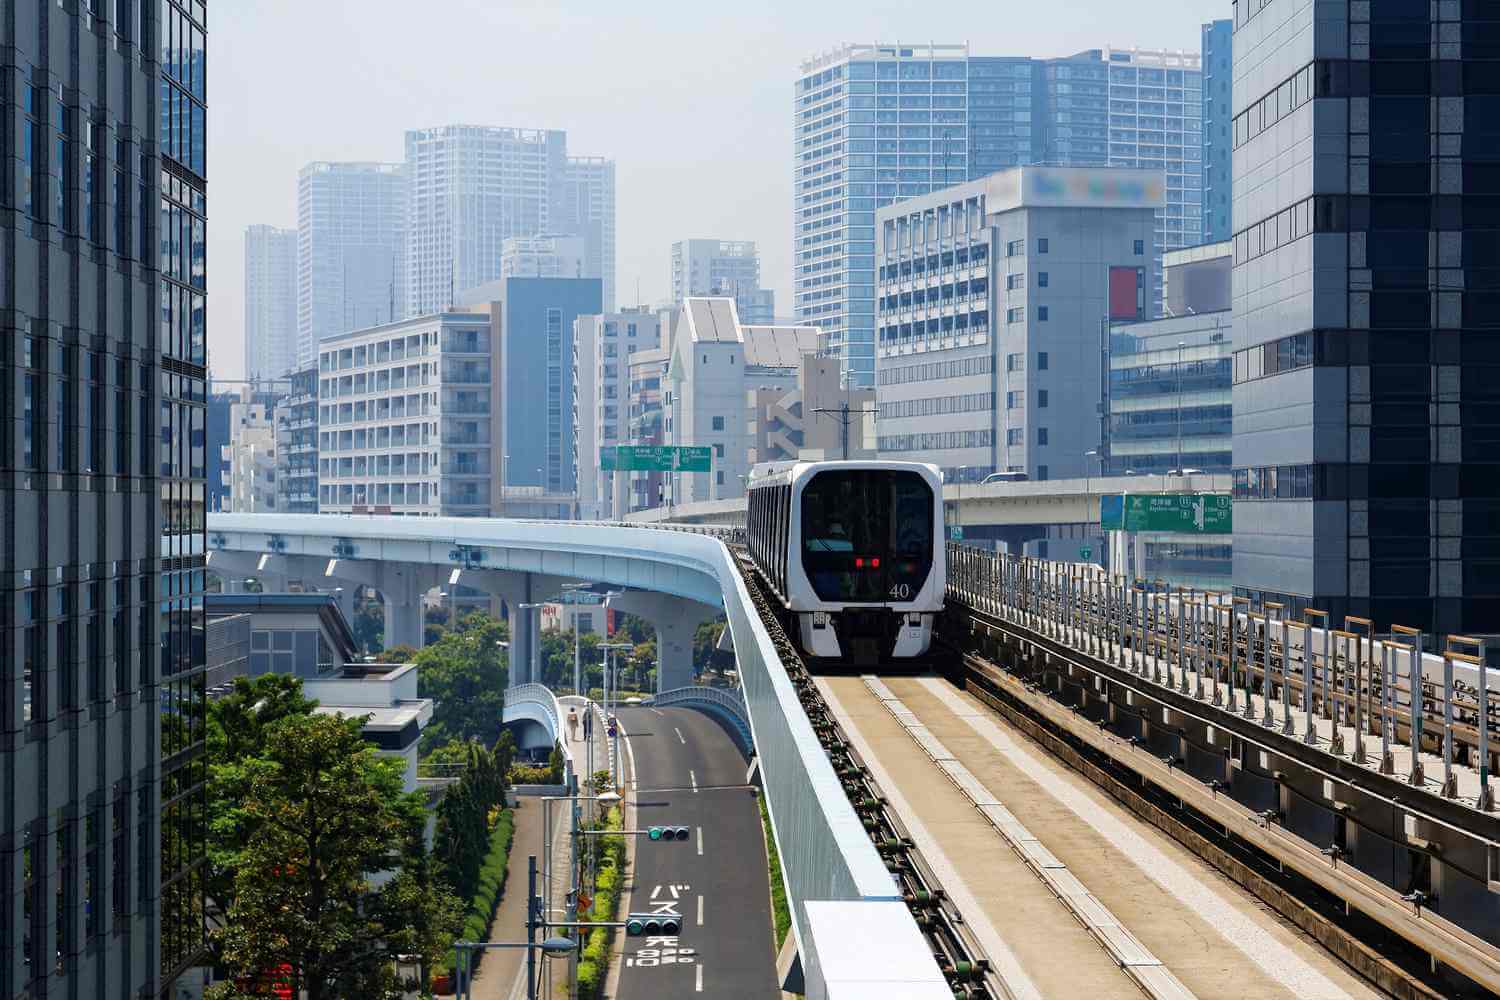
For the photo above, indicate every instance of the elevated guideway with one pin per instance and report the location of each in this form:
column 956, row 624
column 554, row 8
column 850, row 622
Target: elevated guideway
column 1069, row 893
column 836, row 881
column 1357, row 766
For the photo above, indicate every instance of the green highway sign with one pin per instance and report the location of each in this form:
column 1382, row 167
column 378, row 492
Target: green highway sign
column 1187, row 513
column 1085, row 553
column 655, row 458
column 956, row 533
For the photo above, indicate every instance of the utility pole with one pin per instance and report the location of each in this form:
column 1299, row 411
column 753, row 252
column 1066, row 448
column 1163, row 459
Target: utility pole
column 844, row 414
column 531, row 915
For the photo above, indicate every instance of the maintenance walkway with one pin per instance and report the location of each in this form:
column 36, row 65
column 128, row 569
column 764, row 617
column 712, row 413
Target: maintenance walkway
column 1070, row 893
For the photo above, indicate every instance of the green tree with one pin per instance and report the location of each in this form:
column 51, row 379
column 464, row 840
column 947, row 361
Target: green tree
column 238, row 724
column 465, row 673
column 706, row 655
column 632, row 628
column 328, row 812
column 464, row 816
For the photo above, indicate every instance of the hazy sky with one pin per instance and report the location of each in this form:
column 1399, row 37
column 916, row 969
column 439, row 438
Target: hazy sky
column 692, row 100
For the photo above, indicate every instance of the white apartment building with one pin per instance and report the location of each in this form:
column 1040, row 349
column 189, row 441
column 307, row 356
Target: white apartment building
column 715, row 364
column 603, row 347
column 251, row 458
column 546, row 256
column 994, row 297
column 723, row 267
column 270, row 301
column 409, row 419
column 351, row 250
column 473, row 187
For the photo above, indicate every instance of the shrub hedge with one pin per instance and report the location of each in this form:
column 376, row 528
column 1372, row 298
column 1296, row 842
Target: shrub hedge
column 486, row 898
column 780, row 915
column 593, row 962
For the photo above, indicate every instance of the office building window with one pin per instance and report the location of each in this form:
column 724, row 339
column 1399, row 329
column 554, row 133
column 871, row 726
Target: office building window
column 1041, row 435
column 1140, row 248
column 1041, row 472
column 1041, row 245
column 1041, row 314
column 1041, row 399
column 718, row 423
column 718, row 451
column 1015, row 315
column 719, row 477
column 1015, row 248
column 1041, row 361
column 1016, row 435
column 1041, row 279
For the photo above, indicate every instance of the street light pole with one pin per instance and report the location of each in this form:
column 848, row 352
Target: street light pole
column 1180, row 346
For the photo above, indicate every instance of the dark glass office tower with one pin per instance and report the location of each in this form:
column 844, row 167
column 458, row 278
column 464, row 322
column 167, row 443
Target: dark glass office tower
column 1367, row 309
column 182, row 482
column 101, row 304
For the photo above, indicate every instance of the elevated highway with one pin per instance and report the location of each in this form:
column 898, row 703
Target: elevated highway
column 1015, row 513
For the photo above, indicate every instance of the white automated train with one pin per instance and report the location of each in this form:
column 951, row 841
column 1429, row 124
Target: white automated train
column 854, row 551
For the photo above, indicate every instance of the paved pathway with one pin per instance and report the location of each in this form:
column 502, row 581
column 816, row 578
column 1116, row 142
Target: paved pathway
column 501, row 968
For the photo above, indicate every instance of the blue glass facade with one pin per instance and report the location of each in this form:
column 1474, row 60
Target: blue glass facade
column 182, row 337
column 876, row 124
column 538, row 328
column 1218, row 119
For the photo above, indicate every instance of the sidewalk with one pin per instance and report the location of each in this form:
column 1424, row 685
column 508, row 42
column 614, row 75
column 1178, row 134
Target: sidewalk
column 502, row 967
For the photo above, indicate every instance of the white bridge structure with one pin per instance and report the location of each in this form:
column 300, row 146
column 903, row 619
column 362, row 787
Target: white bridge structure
column 834, row 878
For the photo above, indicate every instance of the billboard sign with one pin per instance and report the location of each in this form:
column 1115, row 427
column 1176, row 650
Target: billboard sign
column 1092, row 187
column 1185, row 513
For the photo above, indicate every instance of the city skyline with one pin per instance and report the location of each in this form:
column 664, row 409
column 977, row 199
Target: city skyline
column 668, row 189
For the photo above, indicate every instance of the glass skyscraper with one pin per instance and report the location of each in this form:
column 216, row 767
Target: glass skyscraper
column 875, row 124
column 101, row 614
column 1218, row 118
column 1367, row 363
column 182, row 481
column 872, row 124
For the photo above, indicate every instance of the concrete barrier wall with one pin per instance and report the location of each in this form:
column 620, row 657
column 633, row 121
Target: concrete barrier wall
column 825, row 852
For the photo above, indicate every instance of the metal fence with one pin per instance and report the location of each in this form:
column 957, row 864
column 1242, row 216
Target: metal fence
column 1223, row 649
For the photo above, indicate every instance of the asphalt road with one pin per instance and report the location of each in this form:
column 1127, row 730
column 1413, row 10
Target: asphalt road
column 690, row 774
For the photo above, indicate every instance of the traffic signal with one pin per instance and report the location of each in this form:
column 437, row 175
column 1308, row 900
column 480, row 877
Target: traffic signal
column 668, row 833
column 653, row 924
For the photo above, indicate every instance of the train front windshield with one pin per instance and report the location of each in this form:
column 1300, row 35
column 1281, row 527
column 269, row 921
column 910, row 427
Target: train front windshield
column 867, row 535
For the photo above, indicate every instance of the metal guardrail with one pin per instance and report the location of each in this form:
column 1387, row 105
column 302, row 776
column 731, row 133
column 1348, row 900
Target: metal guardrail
column 1239, row 648
column 1320, row 732
column 729, row 704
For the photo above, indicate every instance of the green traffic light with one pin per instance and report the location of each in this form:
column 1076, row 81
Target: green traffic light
column 655, row 833
column 634, row 926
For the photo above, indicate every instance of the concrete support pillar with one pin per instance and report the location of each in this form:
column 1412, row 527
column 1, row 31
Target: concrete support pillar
column 400, row 587
column 403, row 621
column 516, row 588
column 675, row 619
